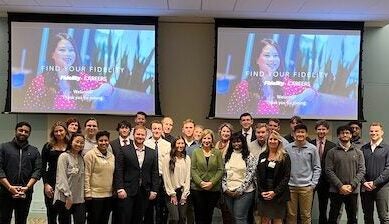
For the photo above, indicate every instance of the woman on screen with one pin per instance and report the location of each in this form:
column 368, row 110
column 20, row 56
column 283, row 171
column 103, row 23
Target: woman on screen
column 260, row 92
column 270, row 90
column 64, row 85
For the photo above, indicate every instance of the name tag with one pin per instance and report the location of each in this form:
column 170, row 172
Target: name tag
column 271, row 164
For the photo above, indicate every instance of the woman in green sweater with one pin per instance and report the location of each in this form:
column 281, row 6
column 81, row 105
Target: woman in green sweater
column 207, row 171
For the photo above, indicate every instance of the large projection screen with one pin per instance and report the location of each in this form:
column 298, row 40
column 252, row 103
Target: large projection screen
column 83, row 68
column 280, row 72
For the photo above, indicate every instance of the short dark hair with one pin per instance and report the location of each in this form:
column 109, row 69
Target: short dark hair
column 141, row 113
column 355, row 122
column 123, row 124
column 91, row 119
column 102, row 133
column 343, row 128
column 21, row 124
column 72, row 120
column 274, row 119
column 300, row 126
column 245, row 114
column 323, row 123
column 296, row 118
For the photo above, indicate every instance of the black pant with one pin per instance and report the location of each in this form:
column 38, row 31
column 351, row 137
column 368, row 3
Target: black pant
column 159, row 206
column 99, row 210
column 132, row 209
column 204, row 203
column 350, row 203
column 51, row 210
column 9, row 204
column 323, row 195
column 78, row 211
column 381, row 198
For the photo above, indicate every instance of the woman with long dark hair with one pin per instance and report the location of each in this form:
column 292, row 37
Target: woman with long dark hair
column 273, row 173
column 64, row 85
column 238, row 179
column 69, row 186
column 176, row 178
column 50, row 153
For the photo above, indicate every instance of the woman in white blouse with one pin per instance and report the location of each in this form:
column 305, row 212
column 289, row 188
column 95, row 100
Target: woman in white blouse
column 176, row 178
column 238, row 181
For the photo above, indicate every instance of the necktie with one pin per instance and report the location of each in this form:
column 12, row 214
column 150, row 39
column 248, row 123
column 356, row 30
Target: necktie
column 246, row 135
column 321, row 149
column 156, row 148
column 124, row 142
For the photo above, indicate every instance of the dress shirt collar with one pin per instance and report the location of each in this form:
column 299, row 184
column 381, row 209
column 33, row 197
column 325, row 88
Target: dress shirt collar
column 139, row 148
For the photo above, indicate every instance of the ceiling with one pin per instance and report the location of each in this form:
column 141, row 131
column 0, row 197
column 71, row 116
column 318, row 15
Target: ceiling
column 374, row 11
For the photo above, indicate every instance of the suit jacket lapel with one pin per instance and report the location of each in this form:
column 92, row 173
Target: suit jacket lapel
column 133, row 155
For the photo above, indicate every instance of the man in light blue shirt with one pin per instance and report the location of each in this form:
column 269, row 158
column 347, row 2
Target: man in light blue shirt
column 304, row 175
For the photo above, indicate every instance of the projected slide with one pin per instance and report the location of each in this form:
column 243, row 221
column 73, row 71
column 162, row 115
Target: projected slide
column 82, row 68
column 279, row 73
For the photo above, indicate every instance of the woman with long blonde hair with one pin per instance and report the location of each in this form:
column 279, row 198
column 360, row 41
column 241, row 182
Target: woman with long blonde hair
column 273, row 173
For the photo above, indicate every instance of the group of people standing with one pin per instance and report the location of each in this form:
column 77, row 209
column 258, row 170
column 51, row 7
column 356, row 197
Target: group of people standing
column 146, row 175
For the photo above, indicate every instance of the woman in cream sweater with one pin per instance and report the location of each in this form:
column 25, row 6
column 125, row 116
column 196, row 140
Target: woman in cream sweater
column 99, row 168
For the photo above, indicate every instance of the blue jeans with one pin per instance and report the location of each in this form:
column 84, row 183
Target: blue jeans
column 239, row 207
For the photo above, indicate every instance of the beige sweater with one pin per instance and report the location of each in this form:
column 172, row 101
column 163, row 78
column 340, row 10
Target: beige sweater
column 98, row 173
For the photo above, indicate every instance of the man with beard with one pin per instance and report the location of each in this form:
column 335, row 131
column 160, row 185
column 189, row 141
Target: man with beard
column 356, row 138
column 20, row 165
column 258, row 146
column 345, row 169
column 136, row 178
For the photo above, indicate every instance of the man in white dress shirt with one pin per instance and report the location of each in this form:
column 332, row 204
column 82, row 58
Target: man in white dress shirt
column 162, row 148
column 141, row 119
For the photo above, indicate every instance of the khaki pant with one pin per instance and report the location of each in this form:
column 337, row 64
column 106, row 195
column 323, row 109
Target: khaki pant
column 300, row 197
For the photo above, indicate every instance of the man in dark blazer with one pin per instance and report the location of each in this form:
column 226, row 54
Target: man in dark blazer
column 323, row 145
column 246, row 121
column 123, row 128
column 136, row 179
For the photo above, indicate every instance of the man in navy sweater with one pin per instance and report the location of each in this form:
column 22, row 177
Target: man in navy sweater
column 375, row 186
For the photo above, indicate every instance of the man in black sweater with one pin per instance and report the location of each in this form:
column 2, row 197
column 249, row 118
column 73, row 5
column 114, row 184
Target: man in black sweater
column 375, row 186
column 345, row 169
column 20, row 169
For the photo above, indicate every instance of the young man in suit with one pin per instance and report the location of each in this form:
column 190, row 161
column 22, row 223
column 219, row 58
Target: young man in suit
column 123, row 129
column 246, row 121
column 323, row 145
column 136, row 178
